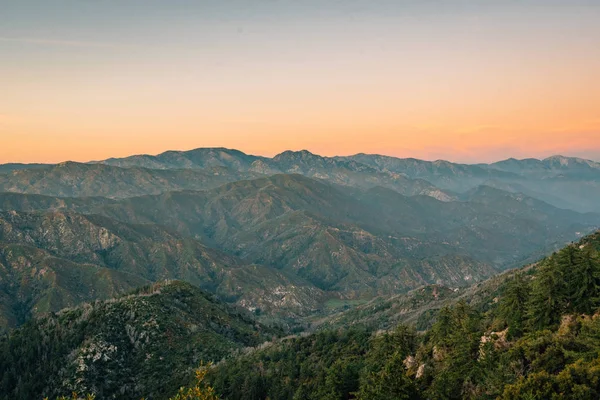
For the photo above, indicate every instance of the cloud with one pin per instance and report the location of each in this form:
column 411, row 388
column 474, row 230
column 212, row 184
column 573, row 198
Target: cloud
column 60, row 42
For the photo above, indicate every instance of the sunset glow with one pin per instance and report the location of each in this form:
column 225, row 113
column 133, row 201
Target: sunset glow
column 462, row 82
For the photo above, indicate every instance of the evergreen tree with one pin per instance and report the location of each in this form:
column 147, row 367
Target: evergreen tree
column 443, row 327
column 513, row 306
column 548, row 294
column 584, row 283
column 456, row 339
column 389, row 383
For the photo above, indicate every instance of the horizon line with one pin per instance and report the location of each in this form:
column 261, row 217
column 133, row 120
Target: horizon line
column 294, row 151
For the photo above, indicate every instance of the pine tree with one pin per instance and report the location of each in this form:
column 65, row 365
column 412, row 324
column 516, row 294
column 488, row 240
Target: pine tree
column 548, row 295
column 443, row 327
column 389, row 383
column 513, row 305
column 584, row 283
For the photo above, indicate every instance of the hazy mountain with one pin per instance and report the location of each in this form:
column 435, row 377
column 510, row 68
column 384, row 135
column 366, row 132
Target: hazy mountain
column 303, row 162
column 343, row 239
column 72, row 179
column 564, row 182
column 561, row 181
column 18, row 166
column 196, row 159
column 346, row 172
column 443, row 174
column 550, row 167
column 283, row 236
column 34, row 202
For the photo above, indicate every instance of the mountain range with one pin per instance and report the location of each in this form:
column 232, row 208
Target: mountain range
column 468, row 344
column 287, row 237
column 148, row 265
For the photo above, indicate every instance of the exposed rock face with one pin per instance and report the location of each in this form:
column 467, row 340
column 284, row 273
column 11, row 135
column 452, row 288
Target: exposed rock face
column 420, row 371
column 498, row 339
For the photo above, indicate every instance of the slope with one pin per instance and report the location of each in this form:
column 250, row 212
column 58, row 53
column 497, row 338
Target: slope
column 144, row 253
column 33, row 282
column 531, row 335
column 342, row 172
column 70, row 179
column 343, row 239
column 143, row 344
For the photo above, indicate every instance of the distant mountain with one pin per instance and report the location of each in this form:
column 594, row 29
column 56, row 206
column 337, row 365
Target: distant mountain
column 72, row 179
column 282, row 245
column 34, row 202
column 4, row 168
column 342, row 239
column 194, row 159
column 143, row 344
column 443, row 174
column 71, row 248
column 564, row 182
column 303, row 162
column 550, row 167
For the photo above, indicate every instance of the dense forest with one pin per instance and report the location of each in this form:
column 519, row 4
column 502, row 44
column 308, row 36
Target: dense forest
column 540, row 339
column 537, row 338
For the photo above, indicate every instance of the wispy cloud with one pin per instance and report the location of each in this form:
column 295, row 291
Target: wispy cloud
column 60, row 42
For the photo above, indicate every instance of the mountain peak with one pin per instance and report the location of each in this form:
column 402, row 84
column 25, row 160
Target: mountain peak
column 563, row 161
column 296, row 154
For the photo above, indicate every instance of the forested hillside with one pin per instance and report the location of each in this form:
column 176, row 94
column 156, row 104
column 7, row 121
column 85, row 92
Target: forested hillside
column 538, row 338
column 147, row 344
column 300, row 276
column 530, row 334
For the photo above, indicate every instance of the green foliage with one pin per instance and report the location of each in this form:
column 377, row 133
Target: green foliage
column 514, row 303
column 320, row 366
column 545, row 348
column 537, row 336
column 567, row 282
column 578, row 381
column 137, row 345
column 584, row 282
column 391, row 382
column 455, row 343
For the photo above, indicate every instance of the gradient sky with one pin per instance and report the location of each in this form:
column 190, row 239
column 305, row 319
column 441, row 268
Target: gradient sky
column 466, row 81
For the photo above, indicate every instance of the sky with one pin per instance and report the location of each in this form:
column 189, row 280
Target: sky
column 466, row 81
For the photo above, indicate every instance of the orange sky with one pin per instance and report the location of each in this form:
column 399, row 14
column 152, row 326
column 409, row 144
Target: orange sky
column 471, row 84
